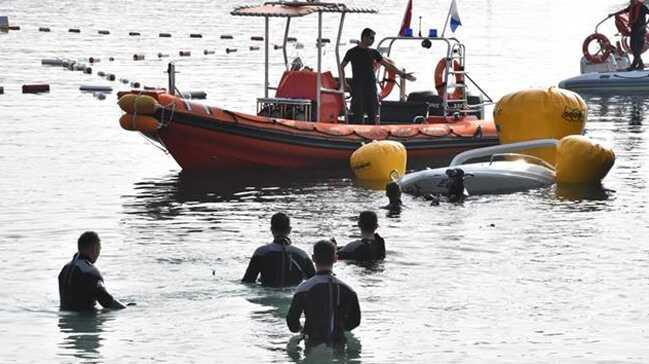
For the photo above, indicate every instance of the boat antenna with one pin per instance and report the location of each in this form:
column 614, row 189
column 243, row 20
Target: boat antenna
column 420, row 25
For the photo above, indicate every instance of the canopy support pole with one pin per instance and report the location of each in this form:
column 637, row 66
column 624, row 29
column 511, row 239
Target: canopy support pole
column 266, row 84
column 341, row 81
column 319, row 75
column 288, row 24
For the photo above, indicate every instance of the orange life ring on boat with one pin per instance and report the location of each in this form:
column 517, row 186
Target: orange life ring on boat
column 388, row 81
column 604, row 51
column 439, row 79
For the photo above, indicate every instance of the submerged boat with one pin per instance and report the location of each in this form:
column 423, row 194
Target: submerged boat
column 605, row 67
column 505, row 172
column 306, row 123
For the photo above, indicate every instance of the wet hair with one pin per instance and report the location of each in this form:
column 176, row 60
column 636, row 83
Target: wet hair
column 87, row 239
column 367, row 221
column 367, row 32
column 324, row 252
column 280, row 223
column 392, row 189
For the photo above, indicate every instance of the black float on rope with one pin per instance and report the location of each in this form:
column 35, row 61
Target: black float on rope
column 138, row 57
column 103, row 32
column 134, row 34
column 206, row 52
column 184, row 53
column 36, row 88
column 162, row 55
column 226, row 36
column 196, row 35
column 74, row 30
column 230, row 50
column 164, row 35
column 43, row 29
column 256, row 38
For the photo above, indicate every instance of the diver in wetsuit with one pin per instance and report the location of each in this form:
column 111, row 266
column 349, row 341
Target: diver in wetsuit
column 370, row 246
column 80, row 282
column 393, row 193
column 279, row 263
column 638, row 21
column 455, row 185
column 330, row 306
column 365, row 98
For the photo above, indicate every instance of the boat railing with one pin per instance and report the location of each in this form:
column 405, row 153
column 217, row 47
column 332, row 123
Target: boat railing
column 517, row 156
column 503, row 148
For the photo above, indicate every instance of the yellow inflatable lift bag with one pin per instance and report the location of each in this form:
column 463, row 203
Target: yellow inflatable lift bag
column 138, row 104
column 142, row 123
column 379, row 162
column 540, row 114
column 581, row 161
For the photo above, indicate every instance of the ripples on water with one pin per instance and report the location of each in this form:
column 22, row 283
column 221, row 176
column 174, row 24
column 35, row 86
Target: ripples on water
column 552, row 275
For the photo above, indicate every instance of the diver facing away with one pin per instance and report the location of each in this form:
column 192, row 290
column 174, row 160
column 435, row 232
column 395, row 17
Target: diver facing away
column 279, row 263
column 329, row 305
column 81, row 284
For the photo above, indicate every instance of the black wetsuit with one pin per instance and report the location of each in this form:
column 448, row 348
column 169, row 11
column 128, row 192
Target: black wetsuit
column 364, row 249
column 638, row 32
column 280, row 265
column 330, row 308
column 364, row 93
column 81, row 286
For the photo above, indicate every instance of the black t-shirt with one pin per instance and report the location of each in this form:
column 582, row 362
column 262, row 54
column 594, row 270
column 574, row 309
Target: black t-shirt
column 362, row 60
column 640, row 23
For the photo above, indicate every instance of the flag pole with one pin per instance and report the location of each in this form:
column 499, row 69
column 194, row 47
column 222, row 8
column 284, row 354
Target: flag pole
column 448, row 17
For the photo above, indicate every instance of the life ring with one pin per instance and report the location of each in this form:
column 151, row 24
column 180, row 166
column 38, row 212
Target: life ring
column 604, row 51
column 388, row 81
column 440, row 69
column 626, row 45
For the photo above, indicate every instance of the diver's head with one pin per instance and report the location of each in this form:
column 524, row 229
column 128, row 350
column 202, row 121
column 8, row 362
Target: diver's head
column 89, row 245
column 324, row 254
column 454, row 173
column 280, row 225
column 368, row 222
column 367, row 37
column 393, row 191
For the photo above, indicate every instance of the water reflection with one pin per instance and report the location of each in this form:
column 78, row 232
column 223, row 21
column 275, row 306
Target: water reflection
column 348, row 353
column 582, row 192
column 82, row 333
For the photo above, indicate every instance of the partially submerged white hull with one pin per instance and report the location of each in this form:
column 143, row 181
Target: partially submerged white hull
column 487, row 178
column 629, row 81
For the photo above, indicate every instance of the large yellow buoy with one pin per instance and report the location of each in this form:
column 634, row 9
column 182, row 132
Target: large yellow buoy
column 138, row 104
column 143, row 123
column 540, row 114
column 379, row 161
column 581, row 161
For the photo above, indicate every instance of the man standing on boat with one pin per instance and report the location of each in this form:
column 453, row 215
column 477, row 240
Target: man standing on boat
column 638, row 22
column 365, row 98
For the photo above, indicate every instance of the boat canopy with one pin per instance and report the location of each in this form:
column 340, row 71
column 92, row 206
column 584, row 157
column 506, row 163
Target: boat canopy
column 296, row 9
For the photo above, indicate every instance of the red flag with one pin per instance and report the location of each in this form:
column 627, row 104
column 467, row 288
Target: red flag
column 406, row 19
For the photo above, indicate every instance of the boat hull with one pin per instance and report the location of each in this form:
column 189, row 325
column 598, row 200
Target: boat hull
column 608, row 82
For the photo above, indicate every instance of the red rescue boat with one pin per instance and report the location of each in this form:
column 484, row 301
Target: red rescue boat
column 305, row 124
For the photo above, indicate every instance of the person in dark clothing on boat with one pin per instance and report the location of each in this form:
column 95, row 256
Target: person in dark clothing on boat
column 393, row 193
column 370, row 246
column 330, row 306
column 279, row 263
column 80, row 282
column 638, row 22
column 363, row 88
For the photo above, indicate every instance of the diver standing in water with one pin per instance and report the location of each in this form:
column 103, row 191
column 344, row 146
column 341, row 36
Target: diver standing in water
column 365, row 99
column 330, row 306
column 80, row 283
column 279, row 263
column 638, row 22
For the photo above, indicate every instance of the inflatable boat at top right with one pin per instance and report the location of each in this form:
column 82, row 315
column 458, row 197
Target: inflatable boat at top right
column 605, row 68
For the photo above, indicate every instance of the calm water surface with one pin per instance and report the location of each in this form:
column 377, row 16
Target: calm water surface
column 551, row 275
